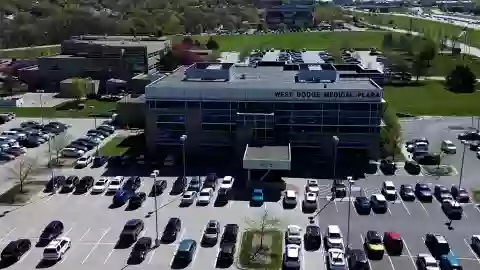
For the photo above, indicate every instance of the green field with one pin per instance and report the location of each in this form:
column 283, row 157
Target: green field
column 66, row 110
column 435, row 30
column 114, row 147
column 432, row 98
column 30, row 53
column 331, row 41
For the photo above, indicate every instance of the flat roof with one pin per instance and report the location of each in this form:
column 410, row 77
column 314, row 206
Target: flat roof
column 151, row 45
column 260, row 77
column 267, row 153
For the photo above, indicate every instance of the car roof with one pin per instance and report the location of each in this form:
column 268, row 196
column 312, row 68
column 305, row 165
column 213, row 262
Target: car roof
column 213, row 223
column 333, row 229
column 293, row 250
column 440, row 238
column 294, row 228
column 206, row 189
column 185, row 244
column 379, row 197
column 258, row 190
column 313, row 230
column 393, row 235
column 227, row 178
column 428, row 258
column 290, row 193
column 54, row 222
column 448, row 142
column 360, row 254
column 133, row 222
column 388, row 183
column 373, row 234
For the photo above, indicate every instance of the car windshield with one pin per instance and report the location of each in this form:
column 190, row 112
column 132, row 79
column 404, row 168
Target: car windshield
column 293, row 258
column 187, row 195
column 115, row 182
column 432, row 264
column 211, row 230
column 313, row 184
column 423, row 188
column 390, row 188
column 335, row 235
column 49, row 250
column 83, row 159
column 375, row 240
column 407, row 188
column 69, row 181
column 204, row 193
column 100, row 183
column 129, row 227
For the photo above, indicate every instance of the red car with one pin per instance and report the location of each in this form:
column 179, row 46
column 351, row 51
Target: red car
column 393, row 243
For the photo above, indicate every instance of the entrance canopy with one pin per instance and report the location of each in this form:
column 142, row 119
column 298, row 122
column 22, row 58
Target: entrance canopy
column 267, row 158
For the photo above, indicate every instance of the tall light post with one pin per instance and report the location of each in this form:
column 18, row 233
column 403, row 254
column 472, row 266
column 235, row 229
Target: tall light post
column 350, row 183
column 461, row 167
column 335, row 140
column 183, row 138
column 41, row 102
column 154, row 174
column 95, row 126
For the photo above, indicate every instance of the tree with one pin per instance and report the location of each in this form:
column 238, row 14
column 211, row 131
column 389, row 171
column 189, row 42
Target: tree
column 79, row 88
column 212, row 44
column 388, row 42
column 56, row 146
column 261, row 226
column 22, row 171
column 390, row 134
column 429, row 51
column 419, row 66
column 187, row 41
column 461, row 80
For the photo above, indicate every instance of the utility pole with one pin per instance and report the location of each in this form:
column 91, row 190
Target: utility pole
column 335, row 144
column 461, row 167
column 154, row 175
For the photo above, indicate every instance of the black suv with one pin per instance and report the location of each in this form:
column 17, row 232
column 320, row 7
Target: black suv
column 158, row 187
column 15, row 249
column 54, row 183
column 133, row 183
column 226, row 253
column 179, row 185
column 172, row 228
column 210, row 181
column 131, row 230
column 412, row 167
column 437, row 244
column 388, row 166
column 229, row 235
column 312, row 237
column 186, row 250
column 357, row 260
column 70, row 183
column 52, row 231
column 141, row 248
column 84, row 184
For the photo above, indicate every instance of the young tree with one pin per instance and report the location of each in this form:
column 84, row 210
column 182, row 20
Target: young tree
column 57, row 144
column 79, row 88
column 388, row 42
column 22, row 171
column 461, row 80
column 261, row 225
column 429, row 51
column 212, row 44
column 419, row 66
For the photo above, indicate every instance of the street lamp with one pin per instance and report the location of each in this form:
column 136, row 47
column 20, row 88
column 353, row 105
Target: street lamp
column 350, row 183
column 154, row 174
column 183, row 138
column 335, row 142
column 95, row 126
column 461, row 167
column 41, row 102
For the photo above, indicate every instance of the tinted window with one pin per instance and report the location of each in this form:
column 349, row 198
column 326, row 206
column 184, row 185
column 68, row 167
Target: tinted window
column 50, row 251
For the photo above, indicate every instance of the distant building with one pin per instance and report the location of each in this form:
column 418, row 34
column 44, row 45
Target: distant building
column 291, row 13
column 98, row 57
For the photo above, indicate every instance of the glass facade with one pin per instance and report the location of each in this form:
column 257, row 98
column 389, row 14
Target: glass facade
column 301, row 124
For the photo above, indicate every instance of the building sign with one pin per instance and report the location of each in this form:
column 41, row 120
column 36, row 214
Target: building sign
column 328, row 94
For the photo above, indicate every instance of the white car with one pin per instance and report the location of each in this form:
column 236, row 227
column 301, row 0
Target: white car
column 205, row 195
column 56, row 249
column 96, row 135
column 291, row 258
column 290, row 198
column 427, row 262
column 336, row 259
column 389, row 190
column 107, row 128
column 72, row 152
column 448, row 147
column 334, row 237
column 83, row 161
column 227, row 182
column 18, row 148
column 188, row 197
column 115, row 184
column 100, row 185
column 312, row 186
column 310, row 200
column 294, row 234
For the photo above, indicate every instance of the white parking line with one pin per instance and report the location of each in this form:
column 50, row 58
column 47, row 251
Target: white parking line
column 404, row 206
column 66, row 233
column 25, row 255
column 409, row 254
column 471, row 250
column 6, row 235
column 335, row 203
column 85, row 234
column 390, row 260
column 389, row 212
column 96, row 245
column 363, row 243
column 424, row 209
column 151, row 256
column 109, row 255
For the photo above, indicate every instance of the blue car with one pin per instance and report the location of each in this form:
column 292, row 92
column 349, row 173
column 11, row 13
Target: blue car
column 257, row 196
column 99, row 161
column 450, row 262
column 121, row 197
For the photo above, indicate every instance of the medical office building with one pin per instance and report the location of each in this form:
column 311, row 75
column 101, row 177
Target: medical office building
column 292, row 113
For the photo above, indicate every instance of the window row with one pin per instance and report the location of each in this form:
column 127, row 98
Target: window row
column 265, row 107
column 328, row 121
column 286, row 130
column 328, row 113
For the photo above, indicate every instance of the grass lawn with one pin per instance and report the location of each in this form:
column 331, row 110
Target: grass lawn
column 443, row 64
column 431, row 28
column 30, row 53
column 432, row 98
column 331, row 41
column 114, row 147
column 275, row 251
column 13, row 195
column 66, row 110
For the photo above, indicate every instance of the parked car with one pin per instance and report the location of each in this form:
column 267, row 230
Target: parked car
column 357, row 260
column 291, row 257
column 379, row 203
column 393, row 243
column 312, row 237
column 131, row 231
column 85, row 184
column 460, row 194
column 72, row 152
column 158, row 187
column 448, row 147
column 101, row 185
column 188, row 197
column 99, row 161
column 14, row 251
column 230, row 234
column 227, row 182
column 412, row 167
column 423, row 192
column 407, row 192
column 195, row 184
column 452, row 209
column 54, row 183
column 173, row 227
column 388, row 166
column 186, row 250
column 16, row 150
column 227, row 253
column 293, row 235
column 4, row 156
column 51, row 231
column 363, row 205
column 211, row 233
column 137, row 200
column 56, row 249
column 179, row 185
column 121, row 197
column 426, row 262
column 141, row 249
column 437, row 244
column 133, row 183
column 257, row 196
column 83, row 162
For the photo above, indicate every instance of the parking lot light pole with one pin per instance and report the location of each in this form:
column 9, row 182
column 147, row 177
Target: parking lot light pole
column 461, row 166
column 183, row 138
column 350, row 182
column 154, row 176
column 41, row 101
column 335, row 142
column 95, row 126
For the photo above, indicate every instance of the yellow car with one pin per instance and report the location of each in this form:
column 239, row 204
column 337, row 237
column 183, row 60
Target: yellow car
column 374, row 245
